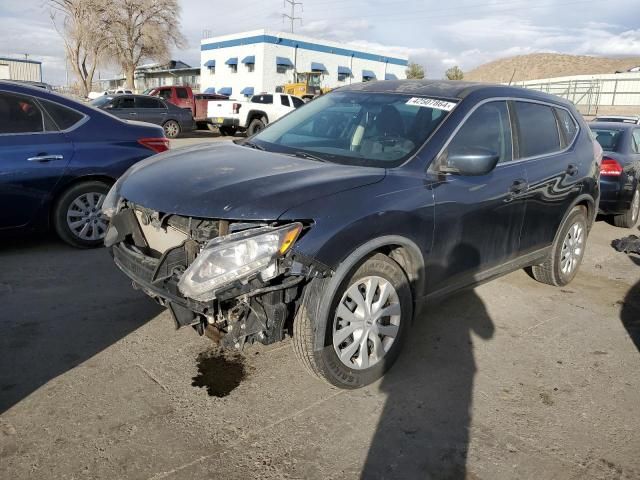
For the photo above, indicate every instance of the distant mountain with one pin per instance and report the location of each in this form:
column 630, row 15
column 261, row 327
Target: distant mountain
column 547, row 65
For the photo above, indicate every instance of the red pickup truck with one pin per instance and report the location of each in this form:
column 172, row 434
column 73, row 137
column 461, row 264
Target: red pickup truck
column 185, row 98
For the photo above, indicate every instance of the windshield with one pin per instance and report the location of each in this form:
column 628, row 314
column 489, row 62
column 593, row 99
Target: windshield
column 357, row 128
column 100, row 101
column 608, row 138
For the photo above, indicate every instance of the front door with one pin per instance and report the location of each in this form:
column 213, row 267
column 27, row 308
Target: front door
column 33, row 157
column 151, row 110
column 478, row 219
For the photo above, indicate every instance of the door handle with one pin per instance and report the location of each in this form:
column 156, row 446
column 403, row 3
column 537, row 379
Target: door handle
column 45, row 158
column 572, row 170
column 518, row 186
column 132, row 113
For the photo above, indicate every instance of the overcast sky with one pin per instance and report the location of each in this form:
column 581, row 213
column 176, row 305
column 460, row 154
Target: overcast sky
column 434, row 33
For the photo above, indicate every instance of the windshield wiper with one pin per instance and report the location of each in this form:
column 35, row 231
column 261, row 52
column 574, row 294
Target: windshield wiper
column 252, row 145
column 308, row 156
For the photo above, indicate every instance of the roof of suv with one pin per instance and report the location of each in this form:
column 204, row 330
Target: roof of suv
column 450, row 89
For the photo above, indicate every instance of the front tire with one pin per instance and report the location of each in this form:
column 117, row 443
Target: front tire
column 630, row 217
column 77, row 216
column 567, row 251
column 368, row 317
column 171, row 129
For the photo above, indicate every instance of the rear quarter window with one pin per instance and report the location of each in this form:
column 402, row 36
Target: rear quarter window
column 63, row 117
column 538, row 129
column 568, row 125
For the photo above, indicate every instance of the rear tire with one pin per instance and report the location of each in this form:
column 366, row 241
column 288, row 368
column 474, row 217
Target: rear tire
column 171, row 128
column 353, row 323
column 76, row 215
column 630, row 217
column 255, row 126
column 567, row 251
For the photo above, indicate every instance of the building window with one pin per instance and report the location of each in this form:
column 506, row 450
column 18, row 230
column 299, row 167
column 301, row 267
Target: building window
column 282, row 68
column 342, row 77
column 251, row 67
column 234, row 68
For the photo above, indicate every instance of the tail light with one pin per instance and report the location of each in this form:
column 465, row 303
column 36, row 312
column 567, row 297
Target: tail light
column 236, row 108
column 157, row 144
column 610, row 167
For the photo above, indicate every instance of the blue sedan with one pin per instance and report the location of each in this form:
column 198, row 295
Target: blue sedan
column 58, row 160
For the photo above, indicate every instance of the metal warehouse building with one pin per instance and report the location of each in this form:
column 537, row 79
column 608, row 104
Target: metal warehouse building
column 17, row 69
column 261, row 60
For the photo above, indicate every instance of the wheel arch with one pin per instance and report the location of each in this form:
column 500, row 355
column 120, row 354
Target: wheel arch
column 253, row 114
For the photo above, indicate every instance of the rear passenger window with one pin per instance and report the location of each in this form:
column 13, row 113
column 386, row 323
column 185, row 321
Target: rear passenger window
column 285, row 100
column 636, row 140
column 297, row 102
column 182, row 93
column 538, row 129
column 20, row 114
column 488, row 128
column 568, row 125
column 64, row 117
column 166, row 94
column 148, row 102
column 262, row 99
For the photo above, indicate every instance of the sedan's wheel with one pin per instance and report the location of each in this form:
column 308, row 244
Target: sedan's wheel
column 363, row 331
column 567, row 251
column 171, row 128
column 78, row 218
column 630, row 217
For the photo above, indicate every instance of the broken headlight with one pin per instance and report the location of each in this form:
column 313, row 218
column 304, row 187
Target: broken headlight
column 110, row 202
column 236, row 257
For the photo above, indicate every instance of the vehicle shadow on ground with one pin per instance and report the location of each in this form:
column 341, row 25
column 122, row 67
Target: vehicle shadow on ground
column 423, row 431
column 630, row 312
column 60, row 307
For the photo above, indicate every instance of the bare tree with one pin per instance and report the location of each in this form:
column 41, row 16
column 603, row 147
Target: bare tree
column 80, row 24
column 140, row 29
column 415, row 71
column 454, row 73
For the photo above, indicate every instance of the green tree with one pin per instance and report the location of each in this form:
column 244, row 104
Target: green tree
column 454, row 73
column 415, row 71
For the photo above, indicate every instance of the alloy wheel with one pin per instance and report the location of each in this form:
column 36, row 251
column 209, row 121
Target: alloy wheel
column 572, row 248
column 366, row 322
column 85, row 218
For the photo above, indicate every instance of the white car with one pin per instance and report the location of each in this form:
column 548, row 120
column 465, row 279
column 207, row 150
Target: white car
column 117, row 91
column 231, row 116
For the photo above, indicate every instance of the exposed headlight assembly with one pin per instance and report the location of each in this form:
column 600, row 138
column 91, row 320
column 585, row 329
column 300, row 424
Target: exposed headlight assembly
column 110, row 203
column 236, row 257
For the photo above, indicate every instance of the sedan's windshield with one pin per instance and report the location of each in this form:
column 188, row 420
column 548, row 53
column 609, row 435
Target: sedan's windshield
column 357, row 128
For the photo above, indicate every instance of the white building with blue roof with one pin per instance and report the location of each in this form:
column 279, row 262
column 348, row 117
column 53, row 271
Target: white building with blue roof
column 261, row 60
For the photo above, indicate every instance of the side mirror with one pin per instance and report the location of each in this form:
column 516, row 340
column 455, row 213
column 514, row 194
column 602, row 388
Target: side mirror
column 470, row 161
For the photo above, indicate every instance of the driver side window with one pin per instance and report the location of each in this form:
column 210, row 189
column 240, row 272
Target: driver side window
column 488, row 128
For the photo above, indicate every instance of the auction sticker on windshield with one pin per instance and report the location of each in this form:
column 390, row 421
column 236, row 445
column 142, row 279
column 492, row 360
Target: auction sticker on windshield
column 431, row 103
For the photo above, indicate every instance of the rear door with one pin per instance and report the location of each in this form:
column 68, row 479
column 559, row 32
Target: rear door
column 546, row 146
column 151, row 110
column 478, row 218
column 34, row 155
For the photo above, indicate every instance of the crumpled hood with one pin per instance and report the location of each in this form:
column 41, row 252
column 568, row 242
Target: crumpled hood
column 235, row 182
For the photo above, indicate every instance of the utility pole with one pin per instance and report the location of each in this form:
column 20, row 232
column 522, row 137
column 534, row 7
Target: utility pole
column 292, row 17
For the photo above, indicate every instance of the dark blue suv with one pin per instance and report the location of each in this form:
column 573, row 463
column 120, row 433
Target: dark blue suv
column 58, row 159
column 331, row 224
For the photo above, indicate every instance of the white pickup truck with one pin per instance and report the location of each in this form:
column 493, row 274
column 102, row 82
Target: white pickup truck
column 231, row 116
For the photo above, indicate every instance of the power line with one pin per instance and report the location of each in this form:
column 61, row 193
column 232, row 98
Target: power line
column 292, row 18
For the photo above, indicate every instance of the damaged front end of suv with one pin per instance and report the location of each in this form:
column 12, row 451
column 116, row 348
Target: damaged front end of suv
column 236, row 282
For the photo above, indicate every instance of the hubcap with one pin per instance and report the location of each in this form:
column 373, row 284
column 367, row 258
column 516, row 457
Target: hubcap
column 84, row 216
column 572, row 248
column 366, row 322
column 635, row 207
column 171, row 129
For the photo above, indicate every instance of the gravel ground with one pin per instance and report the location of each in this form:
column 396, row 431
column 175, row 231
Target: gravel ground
column 512, row 380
